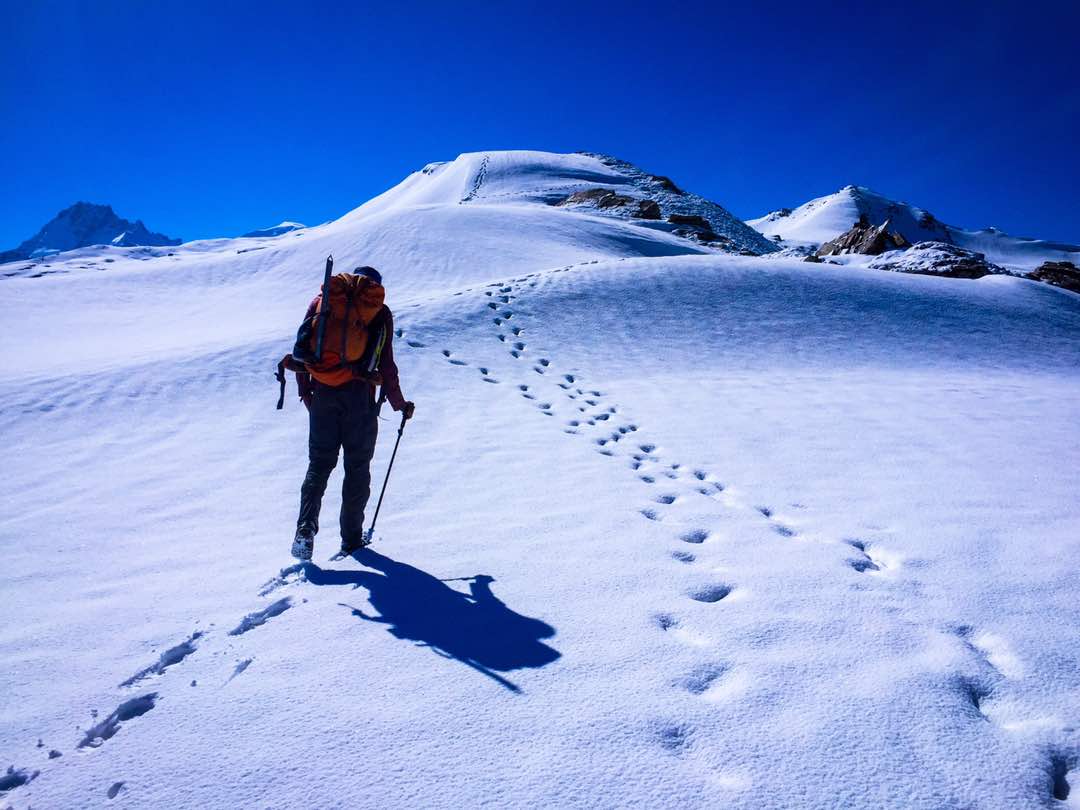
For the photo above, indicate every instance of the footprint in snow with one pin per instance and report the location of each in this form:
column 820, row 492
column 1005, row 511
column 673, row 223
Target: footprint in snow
column 864, row 562
column 698, row 680
column 711, row 593
column 261, row 617
column 416, row 344
column 683, row 556
column 108, row 728
column 695, row 536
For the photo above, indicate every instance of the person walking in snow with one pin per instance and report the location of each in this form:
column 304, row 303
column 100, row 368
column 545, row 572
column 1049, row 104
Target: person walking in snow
column 339, row 392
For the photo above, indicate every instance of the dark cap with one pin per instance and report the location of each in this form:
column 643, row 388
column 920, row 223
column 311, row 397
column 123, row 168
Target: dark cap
column 370, row 272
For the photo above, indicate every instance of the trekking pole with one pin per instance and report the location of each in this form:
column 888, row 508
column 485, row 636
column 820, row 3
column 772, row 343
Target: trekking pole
column 371, row 531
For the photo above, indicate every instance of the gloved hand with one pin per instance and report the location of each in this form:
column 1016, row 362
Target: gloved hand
column 409, row 410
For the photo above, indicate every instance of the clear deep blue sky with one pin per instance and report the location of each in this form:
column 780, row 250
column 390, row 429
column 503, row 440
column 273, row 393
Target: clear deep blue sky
column 210, row 119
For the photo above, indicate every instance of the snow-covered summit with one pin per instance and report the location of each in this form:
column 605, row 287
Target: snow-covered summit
column 571, row 183
column 84, row 224
column 276, row 230
column 825, row 218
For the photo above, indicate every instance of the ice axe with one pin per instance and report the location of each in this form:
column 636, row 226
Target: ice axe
column 369, row 535
column 320, row 329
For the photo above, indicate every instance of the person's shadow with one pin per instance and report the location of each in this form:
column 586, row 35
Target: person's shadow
column 475, row 628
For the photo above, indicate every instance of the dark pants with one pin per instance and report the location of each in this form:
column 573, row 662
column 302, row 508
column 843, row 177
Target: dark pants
column 343, row 417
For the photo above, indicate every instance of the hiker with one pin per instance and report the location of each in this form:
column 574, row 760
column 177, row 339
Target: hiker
column 342, row 408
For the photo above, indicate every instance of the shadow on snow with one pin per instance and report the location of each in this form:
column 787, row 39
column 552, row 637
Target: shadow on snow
column 476, row 628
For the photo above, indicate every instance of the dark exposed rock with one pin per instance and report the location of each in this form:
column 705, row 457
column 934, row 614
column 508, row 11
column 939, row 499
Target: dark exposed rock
column 693, row 220
column 665, row 183
column 648, row 209
column 812, row 258
column 938, row 259
column 1061, row 274
column 600, row 197
column 864, row 238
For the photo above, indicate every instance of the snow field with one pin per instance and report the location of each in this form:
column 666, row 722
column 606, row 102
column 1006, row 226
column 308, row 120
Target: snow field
column 670, row 531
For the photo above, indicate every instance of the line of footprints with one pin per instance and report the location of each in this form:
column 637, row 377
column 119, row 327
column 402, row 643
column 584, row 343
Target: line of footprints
column 99, row 730
column 613, row 436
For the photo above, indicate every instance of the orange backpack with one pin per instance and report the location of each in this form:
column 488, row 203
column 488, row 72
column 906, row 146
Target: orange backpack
column 352, row 304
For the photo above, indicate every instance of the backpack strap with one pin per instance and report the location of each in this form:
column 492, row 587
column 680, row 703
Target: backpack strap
column 290, row 363
column 280, row 376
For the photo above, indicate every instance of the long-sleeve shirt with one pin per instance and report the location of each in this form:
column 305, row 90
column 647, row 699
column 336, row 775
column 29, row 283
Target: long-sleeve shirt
column 391, row 385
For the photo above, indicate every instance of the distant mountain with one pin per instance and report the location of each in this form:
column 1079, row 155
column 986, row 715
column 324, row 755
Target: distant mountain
column 85, row 224
column 826, row 218
column 276, row 230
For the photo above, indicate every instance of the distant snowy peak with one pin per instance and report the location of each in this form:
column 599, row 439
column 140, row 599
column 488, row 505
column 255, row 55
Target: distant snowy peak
column 276, row 230
column 84, row 224
column 825, row 218
column 579, row 183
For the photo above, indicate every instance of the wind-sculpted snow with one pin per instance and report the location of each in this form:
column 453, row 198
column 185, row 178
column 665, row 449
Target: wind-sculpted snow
column 688, row 530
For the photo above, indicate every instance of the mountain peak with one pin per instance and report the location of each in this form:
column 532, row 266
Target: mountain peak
column 82, row 224
column 826, row 218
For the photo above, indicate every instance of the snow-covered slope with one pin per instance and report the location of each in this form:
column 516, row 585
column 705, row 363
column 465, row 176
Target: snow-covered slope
column 827, row 217
column 671, row 528
column 276, row 230
column 81, row 225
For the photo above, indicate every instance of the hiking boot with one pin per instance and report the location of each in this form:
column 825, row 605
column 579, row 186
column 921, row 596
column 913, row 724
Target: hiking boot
column 352, row 546
column 303, row 546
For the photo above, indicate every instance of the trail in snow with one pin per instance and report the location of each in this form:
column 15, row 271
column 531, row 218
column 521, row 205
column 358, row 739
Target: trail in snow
column 478, row 182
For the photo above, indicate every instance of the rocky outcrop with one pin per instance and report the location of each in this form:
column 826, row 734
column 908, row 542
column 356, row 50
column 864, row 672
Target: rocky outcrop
column 1061, row 274
column 665, row 183
column 605, row 198
column 872, row 240
column 938, row 259
column 648, row 209
column 692, row 220
column 698, row 228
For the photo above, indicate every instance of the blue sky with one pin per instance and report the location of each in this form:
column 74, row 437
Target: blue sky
column 208, row 118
